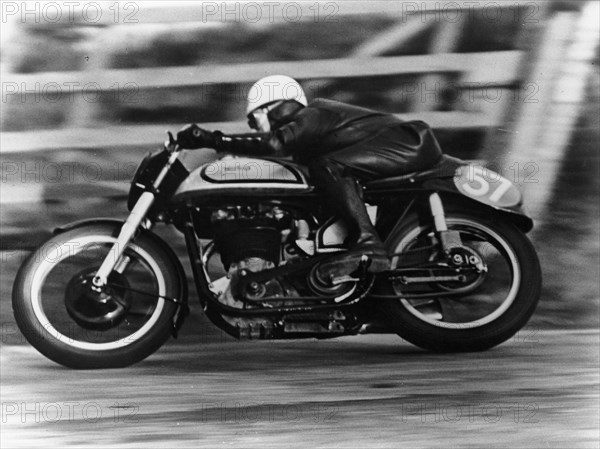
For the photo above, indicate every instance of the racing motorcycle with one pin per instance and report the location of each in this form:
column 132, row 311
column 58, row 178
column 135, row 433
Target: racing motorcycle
column 106, row 293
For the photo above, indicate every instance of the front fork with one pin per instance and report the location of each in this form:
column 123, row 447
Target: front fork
column 134, row 220
column 455, row 252
column 448, row 239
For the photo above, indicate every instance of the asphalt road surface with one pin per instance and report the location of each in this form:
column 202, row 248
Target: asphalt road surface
column 539, row 389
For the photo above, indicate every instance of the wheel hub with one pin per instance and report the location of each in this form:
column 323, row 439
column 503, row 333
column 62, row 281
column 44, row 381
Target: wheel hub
column 463, row 257
column 97, row 309
column 471, row 265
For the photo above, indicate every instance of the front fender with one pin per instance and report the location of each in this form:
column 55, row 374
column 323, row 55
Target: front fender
column 183, row 309
column 85, row 222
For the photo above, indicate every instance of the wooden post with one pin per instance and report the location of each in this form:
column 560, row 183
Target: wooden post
column 550, row 106
column 99, row 49
column 530, row 40
column 445, row 40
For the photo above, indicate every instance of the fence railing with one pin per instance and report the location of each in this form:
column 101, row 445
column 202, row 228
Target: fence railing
column 475, row 72
column 488, row 78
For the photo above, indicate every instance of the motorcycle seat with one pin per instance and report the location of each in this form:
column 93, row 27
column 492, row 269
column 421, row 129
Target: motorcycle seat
column 445, row 168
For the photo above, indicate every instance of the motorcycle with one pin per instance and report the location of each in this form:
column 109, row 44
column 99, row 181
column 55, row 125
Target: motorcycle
column 105, row 293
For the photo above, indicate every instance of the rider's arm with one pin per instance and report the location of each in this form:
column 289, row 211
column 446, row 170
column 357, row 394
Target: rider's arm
column 304, row 130
column 251, row 144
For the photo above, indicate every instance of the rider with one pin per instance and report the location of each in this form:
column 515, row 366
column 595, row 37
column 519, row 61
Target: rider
column 340, row 144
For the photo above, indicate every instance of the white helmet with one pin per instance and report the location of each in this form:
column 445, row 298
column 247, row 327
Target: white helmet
column 273, row 88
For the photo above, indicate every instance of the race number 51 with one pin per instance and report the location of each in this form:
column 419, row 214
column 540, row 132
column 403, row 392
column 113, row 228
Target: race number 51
column 486, row 186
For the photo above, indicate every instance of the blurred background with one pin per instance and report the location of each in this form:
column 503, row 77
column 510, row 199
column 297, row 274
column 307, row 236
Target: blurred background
column 87, row 90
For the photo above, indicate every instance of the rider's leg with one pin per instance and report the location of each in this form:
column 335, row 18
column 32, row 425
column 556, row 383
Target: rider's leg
column 408, row 147
column 342, row 193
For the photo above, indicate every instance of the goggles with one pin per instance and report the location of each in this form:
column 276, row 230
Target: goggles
column 254, row 116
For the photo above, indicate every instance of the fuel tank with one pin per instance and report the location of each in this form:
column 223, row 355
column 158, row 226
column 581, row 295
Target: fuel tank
column 243, row 176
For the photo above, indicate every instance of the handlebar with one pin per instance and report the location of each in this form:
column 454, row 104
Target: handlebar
column 171, row 145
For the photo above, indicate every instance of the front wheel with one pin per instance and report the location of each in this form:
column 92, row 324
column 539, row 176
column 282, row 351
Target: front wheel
column 492, row 308
column 71, row 324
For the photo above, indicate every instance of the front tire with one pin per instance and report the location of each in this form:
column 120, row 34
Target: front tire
column 490, row 314
column 41, row 302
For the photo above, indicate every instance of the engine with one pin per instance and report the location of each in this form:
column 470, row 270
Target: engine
column 251, row 233
column 258, row 237
column 253, row 237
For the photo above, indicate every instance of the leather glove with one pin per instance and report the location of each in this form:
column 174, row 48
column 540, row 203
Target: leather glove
column 192, row 137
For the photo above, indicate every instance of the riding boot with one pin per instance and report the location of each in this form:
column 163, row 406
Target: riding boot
column 343, row 195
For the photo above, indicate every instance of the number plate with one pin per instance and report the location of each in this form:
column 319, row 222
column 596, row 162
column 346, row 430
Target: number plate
column 486, row 186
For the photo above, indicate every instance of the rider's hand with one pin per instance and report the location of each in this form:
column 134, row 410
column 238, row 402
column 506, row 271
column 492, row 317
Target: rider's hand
column 192, row 136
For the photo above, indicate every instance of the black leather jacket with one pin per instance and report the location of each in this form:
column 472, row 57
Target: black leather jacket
column 326, row 126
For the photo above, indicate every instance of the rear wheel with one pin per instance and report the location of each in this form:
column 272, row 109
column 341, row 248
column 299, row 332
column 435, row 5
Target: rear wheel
column 494, row 306
column 69, row 323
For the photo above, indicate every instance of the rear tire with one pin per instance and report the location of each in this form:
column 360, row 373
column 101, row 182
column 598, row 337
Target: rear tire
column 33, row 303
column 432, row 332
